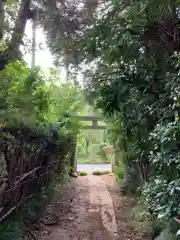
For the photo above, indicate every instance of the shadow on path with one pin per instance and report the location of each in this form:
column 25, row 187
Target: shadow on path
column 85, row 209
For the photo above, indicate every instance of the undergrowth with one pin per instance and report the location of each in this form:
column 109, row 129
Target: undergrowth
column 145, row 222
column 15, row 227
column 100, row 172
column 119, row 172
column 82, row 173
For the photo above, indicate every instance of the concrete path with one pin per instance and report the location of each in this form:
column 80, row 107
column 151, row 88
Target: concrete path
column 88, row 208
column 99, row 196
column 93, row 167
column 83, row 210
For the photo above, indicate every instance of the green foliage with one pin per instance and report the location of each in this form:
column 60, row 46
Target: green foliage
column 133, row 77
column 64, row 32
column 145, row 222
column 15, row 228
column 90, row 160
column 90, row 147
column 82, row 173
column 164, row 186
column 33, row 107
column 99, row 173
column 23, row 93
column 27, row 97
column 120, row 172
column 101, row 152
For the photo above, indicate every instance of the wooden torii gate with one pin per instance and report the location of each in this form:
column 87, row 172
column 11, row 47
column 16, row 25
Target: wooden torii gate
column 94, row 125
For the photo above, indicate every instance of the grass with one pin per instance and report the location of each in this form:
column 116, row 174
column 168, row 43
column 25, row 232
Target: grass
column 82, row 173
column 145, row 222
column 15, row 227
column 98, row 173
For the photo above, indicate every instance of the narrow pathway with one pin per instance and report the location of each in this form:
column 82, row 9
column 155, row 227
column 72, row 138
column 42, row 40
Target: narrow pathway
column 83, row 210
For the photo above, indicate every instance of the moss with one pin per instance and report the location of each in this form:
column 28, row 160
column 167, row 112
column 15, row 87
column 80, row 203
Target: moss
column 100, row 172
column 82, row 173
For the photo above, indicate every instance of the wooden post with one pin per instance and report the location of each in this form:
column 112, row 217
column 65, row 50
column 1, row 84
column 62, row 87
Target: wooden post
column 72, row 153
column 116, row 156
column 113, row 166
column 75, row 156
column 109, row 150
column 73, row 163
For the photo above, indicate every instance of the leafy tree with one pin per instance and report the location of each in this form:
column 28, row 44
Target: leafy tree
column 65, row 24
column 133, row 53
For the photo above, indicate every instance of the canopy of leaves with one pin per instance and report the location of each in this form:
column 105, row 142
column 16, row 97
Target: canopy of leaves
column 133, row 77
column 132, row 53
column 28, row 98
column 65, row 24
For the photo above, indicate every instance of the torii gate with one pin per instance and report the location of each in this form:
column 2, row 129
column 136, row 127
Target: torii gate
column 94, row 125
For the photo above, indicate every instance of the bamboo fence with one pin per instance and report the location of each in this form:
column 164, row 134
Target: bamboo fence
column 29, row 164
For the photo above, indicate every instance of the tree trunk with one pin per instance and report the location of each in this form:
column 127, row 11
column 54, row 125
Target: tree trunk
column 17, row 36
column 73, row 156
column 1, row 18
column 116, row 156
column 125, row 160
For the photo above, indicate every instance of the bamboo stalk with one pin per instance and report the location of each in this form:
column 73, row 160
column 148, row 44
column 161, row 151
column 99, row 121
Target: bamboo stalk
column 8, row 213
column 15, row 207
column 26, row 175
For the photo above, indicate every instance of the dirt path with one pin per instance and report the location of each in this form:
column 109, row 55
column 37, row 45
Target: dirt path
column 88, row 208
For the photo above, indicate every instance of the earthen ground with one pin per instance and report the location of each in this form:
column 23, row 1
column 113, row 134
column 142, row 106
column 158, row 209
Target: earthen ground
column 89, row 208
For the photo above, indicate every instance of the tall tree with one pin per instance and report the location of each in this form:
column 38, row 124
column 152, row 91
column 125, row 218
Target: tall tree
column 65, row 24
column 129, row 47
column 12, row 49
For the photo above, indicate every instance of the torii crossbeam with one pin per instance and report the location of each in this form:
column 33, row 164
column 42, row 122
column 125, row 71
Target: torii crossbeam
column 94, row 121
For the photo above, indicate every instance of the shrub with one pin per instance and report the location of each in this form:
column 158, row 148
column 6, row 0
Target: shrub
column 82, row 173
column 119, row 172
column 161, row 194
column 101, row 152
column 98, row 173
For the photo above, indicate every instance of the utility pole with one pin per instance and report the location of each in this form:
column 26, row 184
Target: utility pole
column 34, row 28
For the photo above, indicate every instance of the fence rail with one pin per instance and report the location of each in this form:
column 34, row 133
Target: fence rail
column 26, row 166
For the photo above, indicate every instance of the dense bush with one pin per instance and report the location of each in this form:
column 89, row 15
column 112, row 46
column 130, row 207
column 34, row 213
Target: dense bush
column 135, row 83
column 31, row 107
column 35, row 135
column 90, row 146
column 101, row 151
column 162, row 194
